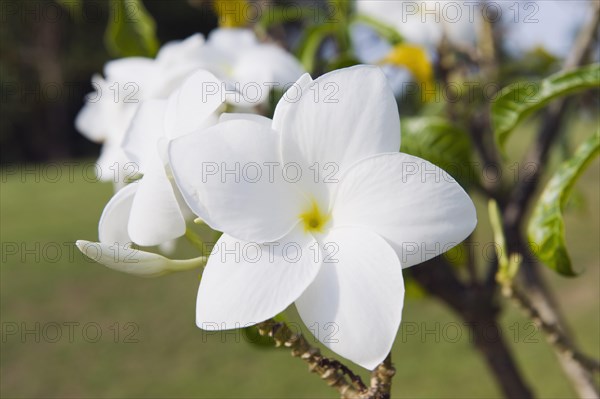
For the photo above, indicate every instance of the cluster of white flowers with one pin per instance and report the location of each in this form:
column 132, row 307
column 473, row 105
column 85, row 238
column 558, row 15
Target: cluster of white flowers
column 329, row 237
column 235, row 56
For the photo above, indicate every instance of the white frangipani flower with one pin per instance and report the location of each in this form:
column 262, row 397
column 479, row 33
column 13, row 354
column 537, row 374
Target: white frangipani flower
column 157, row 214
column 150, row 211
column 234, row 55
column 318, row 208
column 237, row 57
column 126, row 83
column 114, row 249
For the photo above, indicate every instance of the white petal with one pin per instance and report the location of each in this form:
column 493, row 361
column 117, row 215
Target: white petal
column 144, row 132
column 89, row 120
column 284, row 67
column 193, row 103
column 231, row 40
column 290, row 97
column 177, row 60
column 231, row 176
column 112, row 228
column 155, row 215
column 246, row 283
column 129, row 70
column 355, row 303
column 133, row 261
column 113, row 165
column 178, row 51
column 416, row 206
column 263, row 67
column 342, row 117
column 251, row 117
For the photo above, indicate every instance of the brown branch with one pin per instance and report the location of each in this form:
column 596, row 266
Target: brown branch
column 480, row 127
column 571, row 358
column 331, row 371
column 381, row 380
column 476, row 305
column 554, row 333
column 539, row 298
column 516, row 206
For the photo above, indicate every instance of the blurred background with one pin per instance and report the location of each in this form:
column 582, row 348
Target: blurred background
column 74, row 329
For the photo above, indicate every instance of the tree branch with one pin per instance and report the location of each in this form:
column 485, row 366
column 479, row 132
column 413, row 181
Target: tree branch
column 331, row 371
column 571, row 358
column 553, row 331
column 516, row 206
column 476, row 305
column 381, row 380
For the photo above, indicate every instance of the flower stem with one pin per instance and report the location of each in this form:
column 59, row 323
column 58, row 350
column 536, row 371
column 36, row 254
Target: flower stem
column 195, row 240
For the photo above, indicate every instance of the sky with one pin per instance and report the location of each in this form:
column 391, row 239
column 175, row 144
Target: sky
column 551, row 24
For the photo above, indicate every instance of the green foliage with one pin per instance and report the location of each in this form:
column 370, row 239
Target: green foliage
column 441, row 143
column 516, row 101
column 311, row 43
column 508, row 266
column 131, row 30
column 546, row 228
column 333, row 25
column 385, row 31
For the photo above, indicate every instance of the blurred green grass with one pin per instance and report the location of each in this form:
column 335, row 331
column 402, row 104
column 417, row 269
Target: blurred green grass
column 174, row 359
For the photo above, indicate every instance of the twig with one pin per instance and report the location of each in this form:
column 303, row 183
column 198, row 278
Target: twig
column 520, row 197
column 381, row 380
column 470, row 260
column 553, row 331
column 566, row 350
column 476, row 305
column 331, row 371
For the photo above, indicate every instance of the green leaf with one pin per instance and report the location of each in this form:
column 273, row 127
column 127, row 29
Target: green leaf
column 131, row 30
column 340, row 9
column 516, row 101
column 343, row 61
column 386, row 31
column 546, row 228
column 311, row 42
column 438, row 141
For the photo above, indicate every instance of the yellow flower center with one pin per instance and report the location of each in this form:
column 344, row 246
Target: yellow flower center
column 313, row 219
